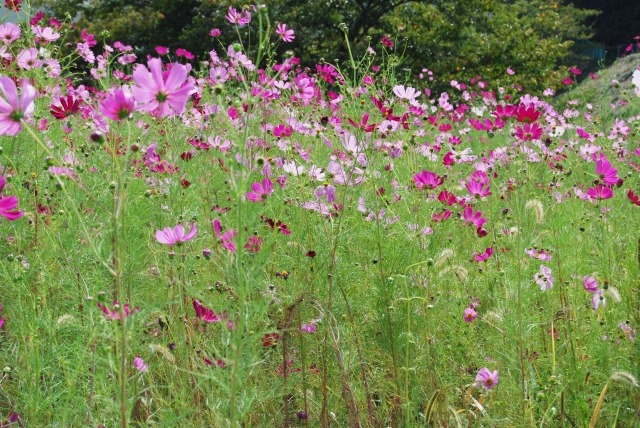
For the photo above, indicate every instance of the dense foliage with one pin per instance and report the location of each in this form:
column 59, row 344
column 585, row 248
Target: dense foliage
column 455, row 39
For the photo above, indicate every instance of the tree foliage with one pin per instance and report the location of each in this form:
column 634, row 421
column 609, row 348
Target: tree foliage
column 455, row 39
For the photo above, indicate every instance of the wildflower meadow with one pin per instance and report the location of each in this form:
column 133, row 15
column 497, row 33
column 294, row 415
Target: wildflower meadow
column 249, row 242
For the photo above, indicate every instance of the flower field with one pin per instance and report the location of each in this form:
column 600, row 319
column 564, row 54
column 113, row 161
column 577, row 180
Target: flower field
column 250, row 242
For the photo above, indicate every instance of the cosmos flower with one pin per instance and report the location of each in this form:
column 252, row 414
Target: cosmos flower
column 204, row 313
column 176, row 235
column 14, row 108
column 139, row 364
column 160, row 94
column 285, row 33
column 487, row 378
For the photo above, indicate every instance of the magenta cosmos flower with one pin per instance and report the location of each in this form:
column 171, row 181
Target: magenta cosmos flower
column 176, row 235
column 118, row 105
column 285, row 33
column 204, row 313
column 487, row 378
column 158, row 93
column 116, row 313
column 600, row 192
column 8, row 205
column 260, row 190
column 14, row 108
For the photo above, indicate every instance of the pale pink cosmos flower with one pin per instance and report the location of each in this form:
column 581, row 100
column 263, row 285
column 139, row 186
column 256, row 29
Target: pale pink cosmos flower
column 544, row 278
column 116, row 313
column 159, row 94
column 28, row 59
column 118, row 105
column 539, row 254
column 9, row 32
column 406, row 93
column 285, row 34
column 44, row 35
column 598, row 299
column 139, row 364
column 487, row 378
column 176, row 235
column 14, row 108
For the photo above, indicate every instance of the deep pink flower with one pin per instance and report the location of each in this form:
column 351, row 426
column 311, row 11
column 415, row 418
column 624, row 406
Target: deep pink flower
column 260, row 190
column 483, row 257
column 8, row 205
column 116, row 313
column 600, row 192
column 487, row 378
column 427, row 179
column 118, row 105
column 471, row 217
column 65, row 107
column 162, row 50
column 440, row 216
column 526, row 113
column 204, row 313
column 285, row 34
column 528, row 132
column 159, row 94
column 607, row 173
column 469, row 314
column 447, row 197
column 181, row 52
column 387, row 42
column 226, row 238
column 590, row 284
column 14, row 108
column 176, row 235
column 635, row 199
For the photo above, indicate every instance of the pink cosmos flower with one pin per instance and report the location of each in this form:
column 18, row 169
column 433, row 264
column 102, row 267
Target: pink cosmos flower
column 635, row 199
column 528, row 132
column 478, row 188
column 600, row 192
column 158, row 93
column 607, row 173
column 470, row 314
column 590, row 284
column 14, row 108
column 486, row 378
column 9, row 32
column 538, row 253
column 176, row 235
column 471, row 217
column 427, row 179
column 598, row 299
column 483, row 257
column 116, row 313
column 28, row 59
column 240, row 19
column 544, row 278
column 204, row 313
column 44, row 35
column 254, row 243
column 260, row 190
column 8, row 205
column 139, row 364
column 118, row 105
column 285, row 34
column 406, row 93
column 226, row 238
